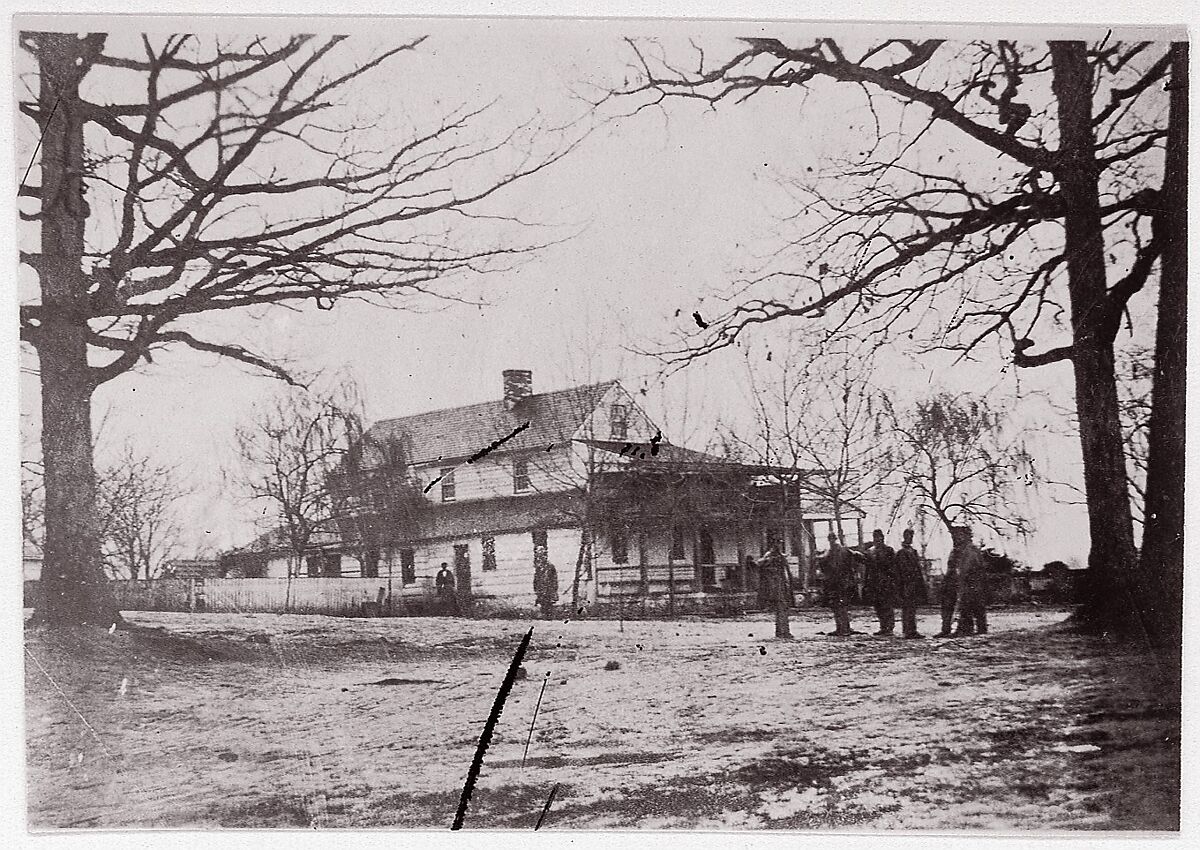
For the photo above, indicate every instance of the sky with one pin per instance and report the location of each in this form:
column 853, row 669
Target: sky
column 663, row 208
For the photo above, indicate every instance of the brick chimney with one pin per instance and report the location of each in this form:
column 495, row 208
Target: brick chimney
column 518, row 385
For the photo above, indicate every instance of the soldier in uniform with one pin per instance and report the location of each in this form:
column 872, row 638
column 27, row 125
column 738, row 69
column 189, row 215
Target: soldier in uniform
column 545, row 582
column 837, row 570
column 972, row 585
column 910, row 580
column 879, row 586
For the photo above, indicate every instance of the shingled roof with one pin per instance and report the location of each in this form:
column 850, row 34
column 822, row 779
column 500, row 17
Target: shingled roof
column 459, row 432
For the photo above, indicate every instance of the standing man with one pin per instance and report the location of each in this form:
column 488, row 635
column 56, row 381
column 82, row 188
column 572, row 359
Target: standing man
column 545, row 582
column 879, row 586
column 837, row 570
column 972, row 585
column 773, row 569
column 444, row 585
column 910, row 580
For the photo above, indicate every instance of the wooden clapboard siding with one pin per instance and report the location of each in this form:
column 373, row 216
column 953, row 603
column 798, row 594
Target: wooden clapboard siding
column 492, row 476
column 597, row 426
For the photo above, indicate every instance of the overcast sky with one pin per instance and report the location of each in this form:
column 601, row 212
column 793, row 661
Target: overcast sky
column 665, row 207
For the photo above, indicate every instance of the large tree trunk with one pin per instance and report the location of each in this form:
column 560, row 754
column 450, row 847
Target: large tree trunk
column 1161, row 567
column 74, row 589
column 1112, row 555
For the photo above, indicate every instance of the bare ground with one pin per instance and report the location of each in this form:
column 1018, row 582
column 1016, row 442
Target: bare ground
column 292, row 721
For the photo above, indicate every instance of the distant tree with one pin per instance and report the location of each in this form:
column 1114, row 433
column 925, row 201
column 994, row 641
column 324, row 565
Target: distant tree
column 817, row 413
column 959, row 461
column 140, row 525
column 178, row 177
column 1135, row 375
column 375, row 498
column 32, row 506
column 288, row 452
column 1002, row 192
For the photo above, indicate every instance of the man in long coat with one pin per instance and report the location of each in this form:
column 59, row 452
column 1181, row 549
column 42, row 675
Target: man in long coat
column 879, row 586
column 545, row 582
column 910, row 581
column 837, row 571
column 445, row 586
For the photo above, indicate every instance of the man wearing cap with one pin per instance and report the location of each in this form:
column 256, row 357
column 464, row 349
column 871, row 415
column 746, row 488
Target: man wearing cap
column 910, row 581
column 545, row 582
column 879, row 586
column 837, row 569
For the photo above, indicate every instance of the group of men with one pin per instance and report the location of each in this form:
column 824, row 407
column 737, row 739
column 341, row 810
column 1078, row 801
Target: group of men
column 894, row 579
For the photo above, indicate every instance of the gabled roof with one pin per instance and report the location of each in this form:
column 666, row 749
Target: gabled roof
column 460, row 432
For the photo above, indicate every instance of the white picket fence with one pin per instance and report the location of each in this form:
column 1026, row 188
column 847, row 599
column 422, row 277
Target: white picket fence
column 334, row 596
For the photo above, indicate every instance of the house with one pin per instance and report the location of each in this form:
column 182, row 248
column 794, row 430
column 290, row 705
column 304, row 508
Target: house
column 582, row 474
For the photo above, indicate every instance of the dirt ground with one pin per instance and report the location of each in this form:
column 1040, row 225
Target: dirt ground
column 292, row 721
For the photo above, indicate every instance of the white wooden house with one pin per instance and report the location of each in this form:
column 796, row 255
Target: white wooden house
column 626, row 517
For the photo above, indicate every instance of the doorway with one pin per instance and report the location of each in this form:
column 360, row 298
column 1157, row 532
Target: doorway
column 462, row 571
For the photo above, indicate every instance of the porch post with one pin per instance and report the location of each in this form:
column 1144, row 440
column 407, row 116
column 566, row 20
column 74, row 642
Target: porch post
column 643, row 568
column 740, row 570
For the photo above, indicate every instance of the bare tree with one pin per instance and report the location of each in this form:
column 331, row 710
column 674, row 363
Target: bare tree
column 817, row 413
column 1135, row 377
column 375, row 498
column 960, row 462
column 288, row 453
column 179, row 176
column 140, row 527
column 33, row 530
column 1004, row 184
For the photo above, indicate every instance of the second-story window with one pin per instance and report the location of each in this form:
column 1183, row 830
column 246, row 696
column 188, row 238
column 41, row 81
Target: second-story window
column 520, row 475
column 618, row 421
column 448, row 485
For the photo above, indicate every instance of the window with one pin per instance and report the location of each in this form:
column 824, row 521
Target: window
column 706, row 555
column 408, row 567
column 370, row 564
column 313, row 563
column 618, row 422
column 448, row 484
column 489, row 554
column 520, row 475
column 677, row 550
column 332, row 566
column 619, row 544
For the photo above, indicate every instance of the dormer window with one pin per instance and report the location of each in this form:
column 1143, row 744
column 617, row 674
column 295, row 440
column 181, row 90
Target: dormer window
column 618, row 422
column 520, row 475
column 447, row 479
